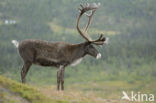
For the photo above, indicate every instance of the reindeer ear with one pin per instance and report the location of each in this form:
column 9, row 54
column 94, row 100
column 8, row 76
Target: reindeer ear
column 88, row 43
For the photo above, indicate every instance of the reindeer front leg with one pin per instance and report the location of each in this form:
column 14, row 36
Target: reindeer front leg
column 62, row 78
column 59, row 75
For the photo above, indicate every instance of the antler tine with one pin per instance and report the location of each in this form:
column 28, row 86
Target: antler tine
column 100, row 36
column 101, row 40
column 81, row 6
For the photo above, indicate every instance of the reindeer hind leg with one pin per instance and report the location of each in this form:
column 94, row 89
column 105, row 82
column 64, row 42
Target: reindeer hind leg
column 25, row 70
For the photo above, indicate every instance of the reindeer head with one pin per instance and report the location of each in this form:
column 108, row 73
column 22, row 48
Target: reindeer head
column 89, row 47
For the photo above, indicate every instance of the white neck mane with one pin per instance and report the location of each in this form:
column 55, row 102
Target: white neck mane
column 76, row 62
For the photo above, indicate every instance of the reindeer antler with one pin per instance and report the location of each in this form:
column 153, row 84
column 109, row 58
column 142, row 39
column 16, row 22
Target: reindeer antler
column 92, row 8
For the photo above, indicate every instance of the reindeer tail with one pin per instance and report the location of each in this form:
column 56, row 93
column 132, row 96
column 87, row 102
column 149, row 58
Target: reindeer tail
column 16, row 43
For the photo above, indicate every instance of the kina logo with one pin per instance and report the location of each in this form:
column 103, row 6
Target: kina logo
column 138, row 97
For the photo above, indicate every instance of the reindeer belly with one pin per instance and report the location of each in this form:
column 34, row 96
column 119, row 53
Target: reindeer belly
column 49, row 62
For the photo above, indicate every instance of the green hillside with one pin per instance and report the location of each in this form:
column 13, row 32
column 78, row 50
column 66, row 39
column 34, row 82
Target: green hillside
column 14, row 92
column 98, row 92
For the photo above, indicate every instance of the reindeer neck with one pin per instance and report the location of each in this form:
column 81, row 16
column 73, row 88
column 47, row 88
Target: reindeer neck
column 78, row 51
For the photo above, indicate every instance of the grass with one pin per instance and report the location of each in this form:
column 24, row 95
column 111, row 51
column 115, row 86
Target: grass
column 89, row 92
column 29, row 93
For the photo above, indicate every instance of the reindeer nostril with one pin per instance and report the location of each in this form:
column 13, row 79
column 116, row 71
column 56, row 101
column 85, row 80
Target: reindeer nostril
column 98, row 56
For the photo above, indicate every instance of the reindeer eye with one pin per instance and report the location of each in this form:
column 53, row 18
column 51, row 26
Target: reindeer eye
column 91, row 46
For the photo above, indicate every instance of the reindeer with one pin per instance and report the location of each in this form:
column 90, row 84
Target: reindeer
column 60, row 54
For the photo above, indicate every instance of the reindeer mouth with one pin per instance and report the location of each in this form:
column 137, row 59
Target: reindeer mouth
column 98, row 56
column 107, row 40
